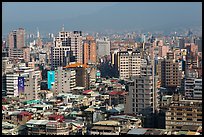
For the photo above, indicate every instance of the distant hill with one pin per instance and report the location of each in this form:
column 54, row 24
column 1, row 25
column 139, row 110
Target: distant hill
column 124, row 16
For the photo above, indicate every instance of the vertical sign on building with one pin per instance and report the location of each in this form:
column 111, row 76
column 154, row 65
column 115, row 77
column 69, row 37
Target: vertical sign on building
column 98, row 76
column 50, row 78
column 20, row 84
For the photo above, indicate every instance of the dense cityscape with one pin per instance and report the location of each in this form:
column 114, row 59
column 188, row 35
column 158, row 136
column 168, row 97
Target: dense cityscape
column 74, row 82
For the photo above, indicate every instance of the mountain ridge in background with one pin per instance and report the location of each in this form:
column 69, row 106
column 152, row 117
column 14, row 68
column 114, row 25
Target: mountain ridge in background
column 125, row 16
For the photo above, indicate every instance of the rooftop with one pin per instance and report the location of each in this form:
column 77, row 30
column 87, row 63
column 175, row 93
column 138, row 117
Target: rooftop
column 107, row 122
column 37, row 122
column 137, row 131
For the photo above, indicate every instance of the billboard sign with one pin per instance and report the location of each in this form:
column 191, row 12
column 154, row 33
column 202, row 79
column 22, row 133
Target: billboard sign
column 50, row 78
column 21, row 82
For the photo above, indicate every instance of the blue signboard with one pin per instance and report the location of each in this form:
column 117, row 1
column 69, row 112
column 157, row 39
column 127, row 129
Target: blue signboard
column 20, row 84
column 50, row 78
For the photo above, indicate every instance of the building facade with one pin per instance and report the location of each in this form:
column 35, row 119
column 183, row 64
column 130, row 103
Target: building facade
column 142, row 96
column 16, row 39
column 184, row 112
column 170, row 73
column 65, row 80
column 103, row 47
column 129, row 64
column 12, row 84
column 89, row 47
column 67, row 48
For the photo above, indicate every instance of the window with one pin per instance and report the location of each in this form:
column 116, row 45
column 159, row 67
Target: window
column 179, row 118
column 179, row 109
column 189, row 114
column 189, row 109
column 172, row 118
column 199, row 114
column 179, row 113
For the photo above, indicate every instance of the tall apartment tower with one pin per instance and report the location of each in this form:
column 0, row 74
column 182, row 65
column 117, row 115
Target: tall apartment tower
column 12, row 84
column 67, row 48
column 198, row 42
column 171, row 75
column 89, row 46
column 65, row 80
column 16, row 39
column 76, row 46
column 16, row 45
column 142, row 95
column 129, row 63
column 181, row 43
column 103, row 47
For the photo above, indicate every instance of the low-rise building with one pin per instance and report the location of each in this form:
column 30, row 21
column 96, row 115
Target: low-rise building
column 184, row 112
column 47, row 127
column 108, row 127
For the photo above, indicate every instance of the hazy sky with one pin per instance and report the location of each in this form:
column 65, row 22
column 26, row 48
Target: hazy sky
column 98, row 16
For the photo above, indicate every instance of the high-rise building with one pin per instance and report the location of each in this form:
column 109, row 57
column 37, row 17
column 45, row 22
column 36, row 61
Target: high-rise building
column 16, row 39
column 191, row 47
column 103, row 47
column 198, row 42
column 12, row 84
column 23, row 83
column 67, row 48
column 163, row 51
column 65, row 80
column 32, row 80
column 170, row 73
column 181, row 43
column 142, row 96
column 129, row 63
column 89, row 47
column 16, row 45
column 60, row 56
column 76, row 46
column 115, row 60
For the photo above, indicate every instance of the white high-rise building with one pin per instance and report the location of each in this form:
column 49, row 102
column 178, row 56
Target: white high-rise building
column 129, row 63
column 12, row 84
column 32, row 80
column 143, row 96
column 29, row 86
